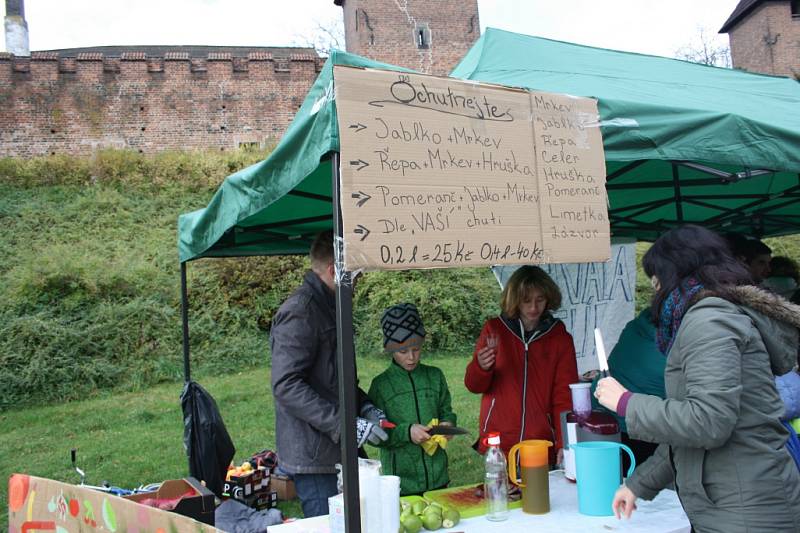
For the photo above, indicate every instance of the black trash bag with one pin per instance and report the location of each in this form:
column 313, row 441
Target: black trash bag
column 205, row 439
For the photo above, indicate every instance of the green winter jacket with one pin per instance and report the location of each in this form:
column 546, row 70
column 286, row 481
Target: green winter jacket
column 409, row 398
column 719, row 434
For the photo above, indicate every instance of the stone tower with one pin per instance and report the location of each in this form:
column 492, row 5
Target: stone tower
column 429, row 36
column 765, row 36
column 16, row 28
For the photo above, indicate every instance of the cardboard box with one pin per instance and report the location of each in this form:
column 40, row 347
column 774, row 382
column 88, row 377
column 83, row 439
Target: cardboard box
column 283, row 486
column 264, row 499
column 199, row 506
column 261, row 499
column 241, row 487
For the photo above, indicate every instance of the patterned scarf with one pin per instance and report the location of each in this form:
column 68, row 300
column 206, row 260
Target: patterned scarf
column 673, row 308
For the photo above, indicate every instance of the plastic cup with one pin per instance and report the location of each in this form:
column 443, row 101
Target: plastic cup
column 491, row 340
column 581, row 398
column 390, row 504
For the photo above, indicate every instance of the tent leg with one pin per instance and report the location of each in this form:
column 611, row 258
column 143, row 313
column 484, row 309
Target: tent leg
column 676, row 185
column 185, row 320
column 346, row 363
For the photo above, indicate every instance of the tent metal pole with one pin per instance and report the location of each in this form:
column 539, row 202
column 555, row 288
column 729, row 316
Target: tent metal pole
column 185, row 319
column 743, row 210
column 346, row 363
column 627, row 168
column 676, row 184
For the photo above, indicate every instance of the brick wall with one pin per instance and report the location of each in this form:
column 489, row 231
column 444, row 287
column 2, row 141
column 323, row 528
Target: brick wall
column 51, row 104
column 771, row 22
column 387, row 30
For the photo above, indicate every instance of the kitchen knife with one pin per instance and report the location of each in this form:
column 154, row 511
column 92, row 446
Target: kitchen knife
column 447, row 430
column 601, row 352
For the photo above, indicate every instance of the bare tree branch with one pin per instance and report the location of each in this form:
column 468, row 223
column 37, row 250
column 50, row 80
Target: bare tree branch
column 706, row 50
column 324, row 37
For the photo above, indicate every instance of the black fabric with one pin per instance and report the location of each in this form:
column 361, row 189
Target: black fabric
column 641, row 450
column 205, row 438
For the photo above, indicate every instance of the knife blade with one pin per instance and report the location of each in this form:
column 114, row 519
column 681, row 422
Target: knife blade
column 601, row 352
column 447, row 430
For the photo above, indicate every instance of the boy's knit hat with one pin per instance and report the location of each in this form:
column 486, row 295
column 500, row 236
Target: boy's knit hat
column 402, row 327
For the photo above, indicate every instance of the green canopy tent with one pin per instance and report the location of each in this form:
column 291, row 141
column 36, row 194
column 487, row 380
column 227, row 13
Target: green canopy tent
column 683, row 143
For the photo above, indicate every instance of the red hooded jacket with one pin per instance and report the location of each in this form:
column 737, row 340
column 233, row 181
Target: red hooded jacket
column 526, row 390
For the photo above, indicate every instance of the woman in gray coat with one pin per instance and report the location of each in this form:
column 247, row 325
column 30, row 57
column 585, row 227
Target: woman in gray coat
column 721, row 442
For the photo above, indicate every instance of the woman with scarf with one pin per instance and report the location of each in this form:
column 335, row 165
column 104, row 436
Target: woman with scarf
column 719, row 432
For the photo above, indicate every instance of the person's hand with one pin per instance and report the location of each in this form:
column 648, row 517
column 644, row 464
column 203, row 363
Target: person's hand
column 372, row 413
column 608, row 393
column 419, row 433
column 560, row 458
column 624, row 502
column 446, row 423
column 366, row 431
column 486, row 357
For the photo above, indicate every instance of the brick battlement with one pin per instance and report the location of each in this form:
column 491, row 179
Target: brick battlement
column 152, row 98
column 52, row 61
column 75, row 103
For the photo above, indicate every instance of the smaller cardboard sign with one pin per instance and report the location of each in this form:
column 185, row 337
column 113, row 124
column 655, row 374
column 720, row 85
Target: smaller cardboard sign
column 41, row 504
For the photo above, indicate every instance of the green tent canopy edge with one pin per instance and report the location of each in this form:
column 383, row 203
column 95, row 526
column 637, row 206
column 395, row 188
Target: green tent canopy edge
column 276, row 206
column 683, row 143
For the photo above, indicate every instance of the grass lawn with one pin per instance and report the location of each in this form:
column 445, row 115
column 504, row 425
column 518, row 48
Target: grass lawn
column 137, row 438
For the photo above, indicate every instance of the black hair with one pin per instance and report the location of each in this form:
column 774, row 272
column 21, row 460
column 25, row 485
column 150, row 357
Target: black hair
column 783, row 266
column 745, row 247
column 321, row 252
column 691, row 251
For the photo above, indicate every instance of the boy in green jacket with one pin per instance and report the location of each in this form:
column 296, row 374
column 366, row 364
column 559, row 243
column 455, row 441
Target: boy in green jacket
column 412, row 395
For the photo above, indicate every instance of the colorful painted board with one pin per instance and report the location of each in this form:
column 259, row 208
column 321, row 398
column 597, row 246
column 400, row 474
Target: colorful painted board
column 465, row 499
column 46, row 505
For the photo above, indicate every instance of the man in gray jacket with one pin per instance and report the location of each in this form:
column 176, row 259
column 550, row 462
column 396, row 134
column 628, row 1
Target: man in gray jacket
column 305, row 384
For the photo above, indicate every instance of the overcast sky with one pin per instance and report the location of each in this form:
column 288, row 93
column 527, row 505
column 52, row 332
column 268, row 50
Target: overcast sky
column 646, row 26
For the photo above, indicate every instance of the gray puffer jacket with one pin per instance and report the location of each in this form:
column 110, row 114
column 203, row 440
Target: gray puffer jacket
column 305, row 380
column 721, row 441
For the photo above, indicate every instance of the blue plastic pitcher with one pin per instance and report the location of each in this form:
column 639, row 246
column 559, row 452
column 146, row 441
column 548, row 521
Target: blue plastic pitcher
column 597, row 470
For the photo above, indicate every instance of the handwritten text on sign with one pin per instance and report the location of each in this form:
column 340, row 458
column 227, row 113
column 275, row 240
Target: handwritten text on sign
column 438, row 172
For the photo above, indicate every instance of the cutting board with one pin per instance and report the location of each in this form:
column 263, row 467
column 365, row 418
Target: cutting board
column 463, row 499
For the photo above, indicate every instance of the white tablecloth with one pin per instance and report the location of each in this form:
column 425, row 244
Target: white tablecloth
column 662, row 515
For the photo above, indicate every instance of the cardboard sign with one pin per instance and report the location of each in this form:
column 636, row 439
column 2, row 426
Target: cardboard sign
column 437, row 172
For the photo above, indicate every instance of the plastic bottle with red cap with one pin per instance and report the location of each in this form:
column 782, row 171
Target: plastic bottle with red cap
column 495, row 485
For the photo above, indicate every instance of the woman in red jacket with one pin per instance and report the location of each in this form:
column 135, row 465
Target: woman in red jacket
column 523, row 364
